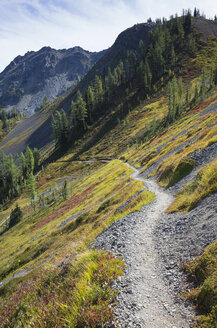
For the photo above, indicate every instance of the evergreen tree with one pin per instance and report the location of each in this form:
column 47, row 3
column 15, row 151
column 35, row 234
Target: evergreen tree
column 187, row 97
column 173, row 57
column 141, row 49
column 60, row 127
column 187, row 23
column 65, row 129
column 110, row 82
column 29, row 160
column 73, row 115
column 121, row 73
column 195, row 12
column 131, row 64
column 41, row 201
column 23, row 165
column 81, row 110
column 180, row 97
column 196, row 95
column 44, row 102
column 15, row 216
column 203, row 85
column 36, row 155
column 90, row 102
column 65, row 190
column 98, row 89
column 31, row 186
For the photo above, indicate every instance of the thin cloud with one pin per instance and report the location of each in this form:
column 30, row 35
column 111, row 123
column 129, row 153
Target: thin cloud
column 94, row 25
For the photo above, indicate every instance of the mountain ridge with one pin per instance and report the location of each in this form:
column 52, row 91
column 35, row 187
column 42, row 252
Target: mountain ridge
column 44, row 73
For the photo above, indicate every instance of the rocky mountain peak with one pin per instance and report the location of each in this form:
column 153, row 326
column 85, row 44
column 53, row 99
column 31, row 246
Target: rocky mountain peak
column 47, row 72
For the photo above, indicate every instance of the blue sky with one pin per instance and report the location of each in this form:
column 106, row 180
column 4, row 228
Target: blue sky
column 92, row 24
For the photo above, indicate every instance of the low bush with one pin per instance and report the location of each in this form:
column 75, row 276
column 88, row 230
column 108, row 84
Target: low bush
column 173, row 174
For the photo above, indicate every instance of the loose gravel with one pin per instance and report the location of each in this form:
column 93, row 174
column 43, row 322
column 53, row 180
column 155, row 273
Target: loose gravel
column 144, row 299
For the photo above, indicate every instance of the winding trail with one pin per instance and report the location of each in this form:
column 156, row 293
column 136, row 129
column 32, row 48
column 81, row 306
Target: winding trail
column 144, row 299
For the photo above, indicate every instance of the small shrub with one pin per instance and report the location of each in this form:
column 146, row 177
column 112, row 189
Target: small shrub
column 171, row 175
column 15, row 216
column 204, row 270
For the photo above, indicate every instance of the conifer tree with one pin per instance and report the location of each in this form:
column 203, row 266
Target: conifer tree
column 15, row 216
column 29, row 160
column 141, row 49
column 36, row 156
column 98, row 89
column 90, row 102
column 196, row 95
column 121, row 72
column 31, row 185
column 73, row 115
column 81, row 109
column 203, row 85
column 110, row 82
column 65, row 190
column 23, row 165
column 173, row 57
column 65, row 129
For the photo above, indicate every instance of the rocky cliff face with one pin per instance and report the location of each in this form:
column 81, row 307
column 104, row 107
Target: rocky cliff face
column 48, row 72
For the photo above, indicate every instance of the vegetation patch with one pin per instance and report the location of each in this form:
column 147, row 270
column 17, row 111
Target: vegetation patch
column 204, row 184
column 76, row 295
column 204, row 271
column 171, row 175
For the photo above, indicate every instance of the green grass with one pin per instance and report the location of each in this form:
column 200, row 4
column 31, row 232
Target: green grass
column 204, row 270
column 97, row 189
column 204, row 184
column 77, row 295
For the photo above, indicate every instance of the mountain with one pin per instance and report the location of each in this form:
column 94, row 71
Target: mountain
column 44, row 73
column 128, row 40
column 40, row 134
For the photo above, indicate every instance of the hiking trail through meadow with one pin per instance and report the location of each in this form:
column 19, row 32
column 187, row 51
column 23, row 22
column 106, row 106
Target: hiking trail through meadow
column 144, row 300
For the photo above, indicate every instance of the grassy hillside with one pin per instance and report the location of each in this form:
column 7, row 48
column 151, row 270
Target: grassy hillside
column 60, row 232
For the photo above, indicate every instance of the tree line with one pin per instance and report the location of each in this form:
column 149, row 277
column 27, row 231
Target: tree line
column 141, row 71
column 6, row 118
column 17, row 173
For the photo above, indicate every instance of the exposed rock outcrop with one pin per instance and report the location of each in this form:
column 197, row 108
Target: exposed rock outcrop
column 47, row 72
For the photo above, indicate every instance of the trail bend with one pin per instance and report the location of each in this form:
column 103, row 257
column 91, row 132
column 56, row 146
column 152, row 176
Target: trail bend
column 143, row 300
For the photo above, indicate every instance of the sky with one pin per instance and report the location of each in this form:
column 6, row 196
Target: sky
column 94, row 25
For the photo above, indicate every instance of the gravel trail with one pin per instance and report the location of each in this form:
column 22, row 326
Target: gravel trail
column 144, row 299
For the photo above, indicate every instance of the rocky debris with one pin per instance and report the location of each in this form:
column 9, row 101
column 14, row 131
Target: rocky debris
column 144, row 299
column 180, row 237
column 204, row 155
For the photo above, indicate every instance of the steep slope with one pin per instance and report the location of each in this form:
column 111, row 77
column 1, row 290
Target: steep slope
column 44, row 73
column 126, row 41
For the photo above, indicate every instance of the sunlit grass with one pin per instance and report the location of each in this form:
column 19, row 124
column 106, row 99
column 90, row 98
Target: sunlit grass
column 204, row 184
